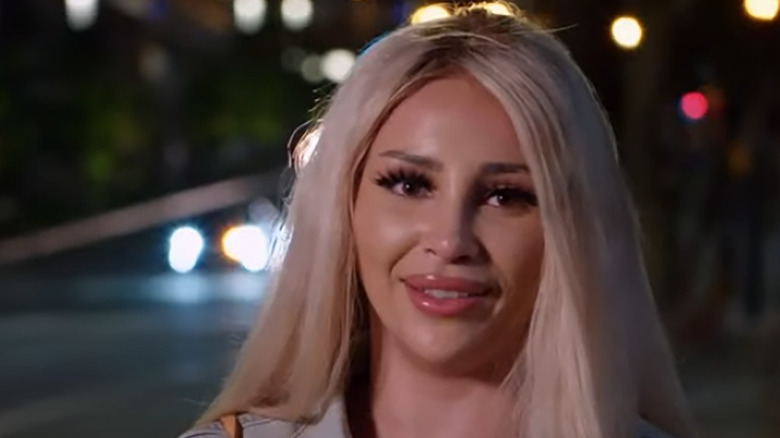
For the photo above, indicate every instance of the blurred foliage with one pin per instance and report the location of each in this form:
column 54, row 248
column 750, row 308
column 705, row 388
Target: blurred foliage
column 83, row 129
column 113, row 135
column 243, row 109
column 245, row 106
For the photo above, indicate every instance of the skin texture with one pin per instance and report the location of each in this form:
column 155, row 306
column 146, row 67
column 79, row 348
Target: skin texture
column 445, row 190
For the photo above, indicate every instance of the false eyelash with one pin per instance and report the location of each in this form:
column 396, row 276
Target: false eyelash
column 522, row 195
column 391, row 178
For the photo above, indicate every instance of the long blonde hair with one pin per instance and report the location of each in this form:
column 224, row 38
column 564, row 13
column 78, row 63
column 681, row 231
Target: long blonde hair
column 595, row 357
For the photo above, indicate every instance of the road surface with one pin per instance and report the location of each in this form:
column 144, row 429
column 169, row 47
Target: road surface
column 129, row 357
column 119, row 371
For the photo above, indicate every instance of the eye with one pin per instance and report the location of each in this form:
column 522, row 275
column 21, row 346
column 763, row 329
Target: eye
column 405, row 183
column 511, row 197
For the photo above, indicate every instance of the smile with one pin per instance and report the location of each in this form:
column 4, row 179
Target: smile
column 447, row 294
column 441, row 296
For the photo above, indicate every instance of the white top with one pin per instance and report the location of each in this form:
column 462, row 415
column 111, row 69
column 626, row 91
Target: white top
column 332, row 425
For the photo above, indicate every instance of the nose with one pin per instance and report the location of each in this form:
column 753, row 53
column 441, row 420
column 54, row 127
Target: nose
column 451, row 236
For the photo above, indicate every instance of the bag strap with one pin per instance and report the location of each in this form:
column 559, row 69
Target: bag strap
column 231, row 425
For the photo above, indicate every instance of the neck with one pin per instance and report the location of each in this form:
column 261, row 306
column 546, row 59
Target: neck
column 407, row 400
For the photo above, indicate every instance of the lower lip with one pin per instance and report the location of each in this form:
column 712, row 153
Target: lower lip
column 442, row 307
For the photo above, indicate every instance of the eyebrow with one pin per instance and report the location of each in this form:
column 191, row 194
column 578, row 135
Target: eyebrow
column 418, row 160
column 501, row 168
column 436, row 165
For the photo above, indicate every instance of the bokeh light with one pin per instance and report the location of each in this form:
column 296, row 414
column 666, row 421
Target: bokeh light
column 627, row 32
column 154, row 63
column 311, row 69
column 81, row 14
column 763, row 10
column 498, row 9
column 297, row 14
column 694, row 105
column 247, row 245
column 184, row 248
column 429, row 13
column 336, row 64
column 249, row 15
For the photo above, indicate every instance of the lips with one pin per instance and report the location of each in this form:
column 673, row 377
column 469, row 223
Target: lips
column 441, row 283
column 445, row 296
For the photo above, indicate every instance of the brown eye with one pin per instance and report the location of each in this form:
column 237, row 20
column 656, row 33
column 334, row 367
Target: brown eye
column 409, row 188
column 511, row 197
column 404, row 183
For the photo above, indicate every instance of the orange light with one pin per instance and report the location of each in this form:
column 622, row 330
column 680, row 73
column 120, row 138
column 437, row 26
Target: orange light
column 429, row 13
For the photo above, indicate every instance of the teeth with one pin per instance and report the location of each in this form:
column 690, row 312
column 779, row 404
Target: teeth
column 445, row 294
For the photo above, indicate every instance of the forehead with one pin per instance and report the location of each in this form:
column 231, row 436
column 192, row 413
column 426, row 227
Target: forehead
column 454, row 117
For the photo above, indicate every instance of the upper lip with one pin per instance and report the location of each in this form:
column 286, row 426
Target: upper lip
column 440, row 282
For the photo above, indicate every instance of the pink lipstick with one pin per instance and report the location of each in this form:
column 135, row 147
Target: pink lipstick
column 442, row 296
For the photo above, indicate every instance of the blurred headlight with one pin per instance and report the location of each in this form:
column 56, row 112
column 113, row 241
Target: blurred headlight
column 247, row 245
column 184, row 249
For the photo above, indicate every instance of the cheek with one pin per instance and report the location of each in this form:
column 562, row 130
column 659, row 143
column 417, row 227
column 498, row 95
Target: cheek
column 518, row 254
column 383, row 234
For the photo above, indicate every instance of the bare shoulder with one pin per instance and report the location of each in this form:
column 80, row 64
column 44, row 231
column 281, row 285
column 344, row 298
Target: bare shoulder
column 648, row 430
column 253, row 427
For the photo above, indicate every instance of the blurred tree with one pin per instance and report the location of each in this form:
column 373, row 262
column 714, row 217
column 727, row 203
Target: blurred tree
column 91, row 120
column 243, row 108
column 114, row 139
column 646, row 88
column 688, row 44
column 635, row 101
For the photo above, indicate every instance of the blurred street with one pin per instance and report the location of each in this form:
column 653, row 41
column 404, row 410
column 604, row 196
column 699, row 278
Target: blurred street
column 143, row 368
column 143, row 358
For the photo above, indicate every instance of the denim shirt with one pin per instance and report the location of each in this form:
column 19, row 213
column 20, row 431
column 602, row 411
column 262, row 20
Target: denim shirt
column 332, row 425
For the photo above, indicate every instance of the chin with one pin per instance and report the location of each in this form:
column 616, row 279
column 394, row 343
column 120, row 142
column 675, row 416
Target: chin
column 456, row 345
column 449, row 346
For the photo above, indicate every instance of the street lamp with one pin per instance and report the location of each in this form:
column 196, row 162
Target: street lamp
column 762, row 10
column 627, row 32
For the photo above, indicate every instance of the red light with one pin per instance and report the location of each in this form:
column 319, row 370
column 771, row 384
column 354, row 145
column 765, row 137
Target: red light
column 694, row 105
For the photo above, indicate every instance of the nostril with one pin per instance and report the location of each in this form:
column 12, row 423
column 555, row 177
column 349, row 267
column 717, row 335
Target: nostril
column 453, row 248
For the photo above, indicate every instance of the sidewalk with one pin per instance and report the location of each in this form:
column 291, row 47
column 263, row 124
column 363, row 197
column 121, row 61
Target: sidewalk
column 733, row 383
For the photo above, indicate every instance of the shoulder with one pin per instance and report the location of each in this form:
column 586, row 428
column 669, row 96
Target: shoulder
column 332, row 425
column 648, row 430
column 211, row 430
column 253, row 427
column 259, row 427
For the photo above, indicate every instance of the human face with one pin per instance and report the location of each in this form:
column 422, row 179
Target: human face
column 448, row 236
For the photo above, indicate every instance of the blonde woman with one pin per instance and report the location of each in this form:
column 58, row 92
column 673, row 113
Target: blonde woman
column 462, row 258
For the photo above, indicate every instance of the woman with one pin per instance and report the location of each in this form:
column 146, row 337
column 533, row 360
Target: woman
column 462, row 258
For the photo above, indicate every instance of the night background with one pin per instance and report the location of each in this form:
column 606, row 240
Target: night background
column 143, row 154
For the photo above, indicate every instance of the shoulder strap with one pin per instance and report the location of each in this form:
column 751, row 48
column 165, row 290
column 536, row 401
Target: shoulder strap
column 231, row 425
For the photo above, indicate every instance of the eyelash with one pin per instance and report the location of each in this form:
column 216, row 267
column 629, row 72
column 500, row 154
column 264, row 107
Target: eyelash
column 393, row 178
column 416, row 182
